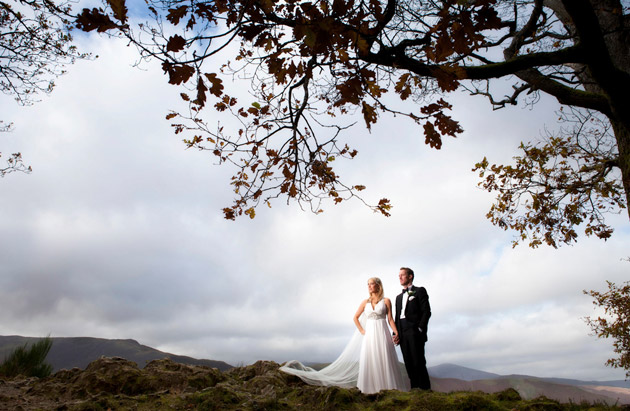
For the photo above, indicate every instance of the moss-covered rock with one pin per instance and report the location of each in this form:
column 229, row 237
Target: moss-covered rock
column 508, row 395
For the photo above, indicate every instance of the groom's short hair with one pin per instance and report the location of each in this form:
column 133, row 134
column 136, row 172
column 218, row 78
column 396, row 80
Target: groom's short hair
column 409, row 272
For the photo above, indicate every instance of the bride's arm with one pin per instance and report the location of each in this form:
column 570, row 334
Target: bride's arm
column 358, row 314
column 390, row 319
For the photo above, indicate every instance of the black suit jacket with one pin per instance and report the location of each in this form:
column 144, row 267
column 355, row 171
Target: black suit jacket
column 417, row 311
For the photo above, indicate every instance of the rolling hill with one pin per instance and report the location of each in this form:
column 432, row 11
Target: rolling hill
column 71, row 352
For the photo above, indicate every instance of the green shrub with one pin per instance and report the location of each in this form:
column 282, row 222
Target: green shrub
column 28, row 362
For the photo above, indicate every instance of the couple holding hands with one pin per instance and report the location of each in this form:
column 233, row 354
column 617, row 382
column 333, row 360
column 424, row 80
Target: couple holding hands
column 369, row 361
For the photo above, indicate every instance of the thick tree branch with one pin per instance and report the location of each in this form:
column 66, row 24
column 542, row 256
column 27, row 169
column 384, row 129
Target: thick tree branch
column 613, row 81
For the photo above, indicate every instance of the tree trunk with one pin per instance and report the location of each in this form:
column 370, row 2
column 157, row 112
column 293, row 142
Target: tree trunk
column 622, row 134
column 606, row 37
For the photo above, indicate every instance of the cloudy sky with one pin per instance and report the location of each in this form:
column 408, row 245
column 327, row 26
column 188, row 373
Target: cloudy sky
column 118, row 233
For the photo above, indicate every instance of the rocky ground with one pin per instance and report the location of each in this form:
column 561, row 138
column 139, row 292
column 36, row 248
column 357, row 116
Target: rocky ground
column 118, row 384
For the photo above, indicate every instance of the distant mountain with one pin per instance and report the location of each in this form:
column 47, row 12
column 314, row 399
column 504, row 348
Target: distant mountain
column 470, row 374
column 451, row 377
column 459, row 372
column 533, row 388
column 70, row 352
column 568, row 381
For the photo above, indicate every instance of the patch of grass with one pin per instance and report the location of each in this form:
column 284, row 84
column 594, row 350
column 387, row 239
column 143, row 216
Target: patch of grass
column 542, row 403
column 29, row 362
column 215, row 398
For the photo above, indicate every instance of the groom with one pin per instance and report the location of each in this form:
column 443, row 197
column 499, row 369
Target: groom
column 412, row 319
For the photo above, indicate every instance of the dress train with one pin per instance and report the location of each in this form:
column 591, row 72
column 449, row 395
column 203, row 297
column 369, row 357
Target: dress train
column 368, row 362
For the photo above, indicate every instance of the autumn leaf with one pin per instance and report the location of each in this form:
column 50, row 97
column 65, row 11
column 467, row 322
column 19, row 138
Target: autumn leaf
column 250, row 31
column 402, row 87
column 288, row 175
column 341, row 7
column 436, row 107
column 361, row 44
column 267, row 5
column 487, row 18
column 174, row 15
column 447, row 77
column 370, row 115
column 447, row 125
column 310, row 37
column 175, row 43
column 178, row 74
column 201, row 93
column 432, row 137
column 119, row 9
column 350, row 91
column 217, row 84
column 94, row 19
column 384, row 206
column 228, row 214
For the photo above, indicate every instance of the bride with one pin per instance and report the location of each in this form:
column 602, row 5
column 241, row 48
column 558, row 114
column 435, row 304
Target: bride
column 369, row 361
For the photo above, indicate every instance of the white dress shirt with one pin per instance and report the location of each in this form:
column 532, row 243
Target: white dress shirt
column 405, row 298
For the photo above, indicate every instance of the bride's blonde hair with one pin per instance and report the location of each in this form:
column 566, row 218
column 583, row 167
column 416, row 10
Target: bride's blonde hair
column 380, row 293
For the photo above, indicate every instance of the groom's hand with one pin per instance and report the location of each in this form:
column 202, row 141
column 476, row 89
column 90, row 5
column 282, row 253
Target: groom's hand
column 395, row 339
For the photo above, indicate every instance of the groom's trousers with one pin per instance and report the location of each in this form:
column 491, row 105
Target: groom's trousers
column 412, row 347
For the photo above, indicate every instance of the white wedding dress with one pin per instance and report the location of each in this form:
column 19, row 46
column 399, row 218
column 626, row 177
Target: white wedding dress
column 369, row 362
